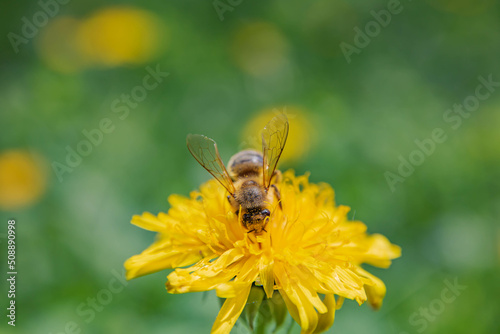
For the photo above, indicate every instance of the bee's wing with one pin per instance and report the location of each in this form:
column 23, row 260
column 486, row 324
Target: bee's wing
column 205, row 151
column 273, row 141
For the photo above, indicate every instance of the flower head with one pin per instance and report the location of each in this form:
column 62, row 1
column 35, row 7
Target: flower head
column 309, row 250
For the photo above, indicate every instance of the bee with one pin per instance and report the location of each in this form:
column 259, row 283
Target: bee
column 252, row 176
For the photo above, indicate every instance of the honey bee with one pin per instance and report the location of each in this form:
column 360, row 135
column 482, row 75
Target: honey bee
column 252, row 177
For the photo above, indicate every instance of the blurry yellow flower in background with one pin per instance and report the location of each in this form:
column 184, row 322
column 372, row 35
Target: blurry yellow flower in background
column 112, row 36
column 300, row 138
column 259, row 49
column 120, row 35
column 23, row 179
column 310, row 254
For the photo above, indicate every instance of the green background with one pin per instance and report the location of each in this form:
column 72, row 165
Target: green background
column 365, row 115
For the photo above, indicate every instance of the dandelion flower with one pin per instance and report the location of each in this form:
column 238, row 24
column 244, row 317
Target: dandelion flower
column 310, row 253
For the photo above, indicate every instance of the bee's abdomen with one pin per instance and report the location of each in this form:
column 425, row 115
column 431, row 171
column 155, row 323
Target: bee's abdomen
column 245, row 163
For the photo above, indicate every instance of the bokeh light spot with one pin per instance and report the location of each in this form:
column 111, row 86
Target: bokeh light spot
column 300, row 137
column 120, row 35
column 23, row 178
column 110, row 37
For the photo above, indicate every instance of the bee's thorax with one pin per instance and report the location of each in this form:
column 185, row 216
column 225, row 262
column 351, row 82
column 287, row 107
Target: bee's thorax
column 250, row 193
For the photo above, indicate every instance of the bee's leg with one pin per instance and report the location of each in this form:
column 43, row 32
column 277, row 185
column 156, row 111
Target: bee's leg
column 277, row 194
column 277, row 176
column 232, row 201
column 265, row 224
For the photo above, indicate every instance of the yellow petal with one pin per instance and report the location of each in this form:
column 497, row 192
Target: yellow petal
column 230, row 312
column 374, row 287
column 325, row 320
column 143, row 264
column 246, row 273
column 304, row 284
column 207, row 275
column 340, row 302
column 148, row 222
column 293, row 295
column 380, row 251
column 340, row 281
column 222, row 262
column 303, row 312
column 266, row 266
column 292, row 308
column 181, row 282
column 162, row 254
column 230, row 289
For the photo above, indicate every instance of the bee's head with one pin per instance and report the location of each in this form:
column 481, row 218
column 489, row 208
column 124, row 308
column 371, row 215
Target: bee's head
column 256, row 216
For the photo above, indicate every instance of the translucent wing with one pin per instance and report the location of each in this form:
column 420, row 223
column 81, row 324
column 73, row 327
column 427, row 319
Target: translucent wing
column 204, row 150
column 273, row 141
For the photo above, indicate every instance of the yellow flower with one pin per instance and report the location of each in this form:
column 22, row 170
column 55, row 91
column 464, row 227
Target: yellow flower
column 120, row 35
column 310, row 249
column 23, row 178
column 112, row 36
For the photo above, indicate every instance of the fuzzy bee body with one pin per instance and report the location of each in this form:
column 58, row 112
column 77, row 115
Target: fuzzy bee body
column 251, row 175
column 245, row 164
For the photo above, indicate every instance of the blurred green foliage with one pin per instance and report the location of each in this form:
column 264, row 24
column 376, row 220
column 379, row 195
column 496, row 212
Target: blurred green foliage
column 365, row 115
